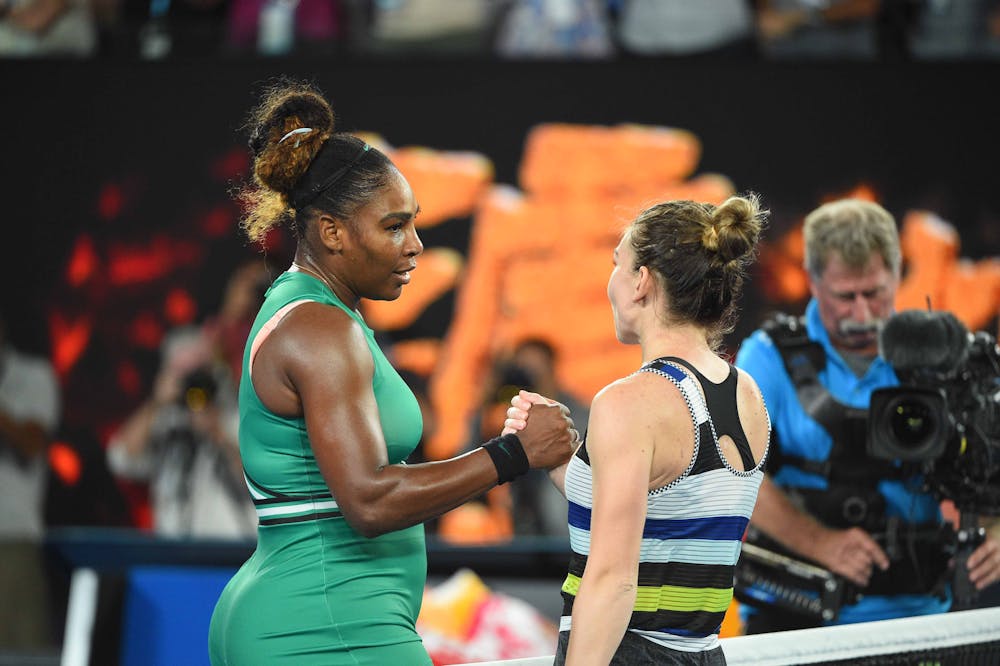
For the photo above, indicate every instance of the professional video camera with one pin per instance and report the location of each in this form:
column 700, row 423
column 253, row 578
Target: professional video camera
column 944, row 420
column 942, row 424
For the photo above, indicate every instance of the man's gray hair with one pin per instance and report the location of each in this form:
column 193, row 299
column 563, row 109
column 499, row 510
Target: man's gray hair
column 854, row 229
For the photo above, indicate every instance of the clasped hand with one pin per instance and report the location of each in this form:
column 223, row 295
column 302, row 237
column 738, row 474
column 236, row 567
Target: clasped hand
column 520, row 405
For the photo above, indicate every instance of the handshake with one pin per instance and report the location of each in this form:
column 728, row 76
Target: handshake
column 544, row 428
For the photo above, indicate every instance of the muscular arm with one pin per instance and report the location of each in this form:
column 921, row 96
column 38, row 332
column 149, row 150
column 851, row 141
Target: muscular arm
column 325, row 362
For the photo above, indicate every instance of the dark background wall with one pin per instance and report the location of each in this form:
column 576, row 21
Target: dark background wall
column 165, row 138
column 790, row 131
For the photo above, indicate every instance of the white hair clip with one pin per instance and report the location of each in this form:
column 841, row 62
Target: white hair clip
column 301, row 130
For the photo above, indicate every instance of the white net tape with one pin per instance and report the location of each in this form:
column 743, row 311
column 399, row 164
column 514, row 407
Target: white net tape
column 850, row 642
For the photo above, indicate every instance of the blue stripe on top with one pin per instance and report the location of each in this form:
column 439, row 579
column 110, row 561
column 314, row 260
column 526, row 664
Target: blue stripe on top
column 671, row 370
column 712, row 528
column 715, row 528
column 686, row 633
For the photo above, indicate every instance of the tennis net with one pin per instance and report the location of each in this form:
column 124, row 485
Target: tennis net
column 965, row 638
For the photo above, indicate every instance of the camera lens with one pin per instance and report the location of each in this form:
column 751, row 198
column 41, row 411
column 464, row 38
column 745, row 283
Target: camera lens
column 908, row 423
column 912, row 423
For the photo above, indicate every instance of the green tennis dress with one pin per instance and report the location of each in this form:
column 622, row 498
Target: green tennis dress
column 315, row 591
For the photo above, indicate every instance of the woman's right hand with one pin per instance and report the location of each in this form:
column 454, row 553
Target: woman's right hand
column 548, row 434
column 517, row 413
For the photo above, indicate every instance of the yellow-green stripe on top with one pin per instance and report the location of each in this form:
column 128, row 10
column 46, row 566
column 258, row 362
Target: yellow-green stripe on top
column 670, row 597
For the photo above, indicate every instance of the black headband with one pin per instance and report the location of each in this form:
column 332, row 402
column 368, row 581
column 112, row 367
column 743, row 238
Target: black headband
column 300, row 200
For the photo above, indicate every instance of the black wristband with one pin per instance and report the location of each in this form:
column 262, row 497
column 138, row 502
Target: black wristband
column 508, row 457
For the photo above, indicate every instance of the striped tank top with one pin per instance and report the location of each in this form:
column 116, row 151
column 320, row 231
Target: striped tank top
column 694, row 525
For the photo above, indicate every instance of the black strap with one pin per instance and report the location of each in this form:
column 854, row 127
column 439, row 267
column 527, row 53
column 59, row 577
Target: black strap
column 720, row 399
column 804, row 359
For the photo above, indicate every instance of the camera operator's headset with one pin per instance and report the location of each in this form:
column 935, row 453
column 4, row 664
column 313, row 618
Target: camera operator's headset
column 918, row 552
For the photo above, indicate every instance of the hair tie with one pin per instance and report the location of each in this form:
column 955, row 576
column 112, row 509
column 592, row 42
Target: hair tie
column 301, row 130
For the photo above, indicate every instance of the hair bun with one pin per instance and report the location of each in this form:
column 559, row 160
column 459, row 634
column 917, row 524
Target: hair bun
column 734, row 228
column 287, row 107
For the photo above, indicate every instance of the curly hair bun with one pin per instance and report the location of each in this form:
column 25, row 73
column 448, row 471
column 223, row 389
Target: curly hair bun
column 734, row 228
column 279, row 164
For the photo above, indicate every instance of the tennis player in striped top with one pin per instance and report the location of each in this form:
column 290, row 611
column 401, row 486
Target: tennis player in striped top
column 662, row 488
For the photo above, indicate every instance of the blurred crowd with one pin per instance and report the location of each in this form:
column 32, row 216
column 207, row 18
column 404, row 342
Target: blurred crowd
column 179, row 445
column 882, row 30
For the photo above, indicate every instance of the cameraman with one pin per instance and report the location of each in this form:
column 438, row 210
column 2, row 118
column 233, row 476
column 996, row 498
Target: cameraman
column 825, row 499
column 183, row 442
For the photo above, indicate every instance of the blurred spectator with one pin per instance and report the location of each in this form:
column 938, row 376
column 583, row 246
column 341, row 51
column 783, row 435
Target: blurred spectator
column 183, row 439
column 957, row 29
column 425, row 26
column 539, row 508
column 554, row 29
column 826, row 29
column 488, row 518
column 684, row 28
column 275, row 27
column 161, row 28
column 155, row 29
column 533, row 506
column 537, row 358
column 31, row 28
column 505, row 379
column 29, row 414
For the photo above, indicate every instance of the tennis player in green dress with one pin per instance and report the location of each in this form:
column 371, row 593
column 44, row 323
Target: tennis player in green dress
column 326, row 422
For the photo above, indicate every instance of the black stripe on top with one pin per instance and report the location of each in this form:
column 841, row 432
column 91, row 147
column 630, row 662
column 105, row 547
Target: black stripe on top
column 701, row 623
column 683, row 574
column 280, row 497
column 300, row 519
